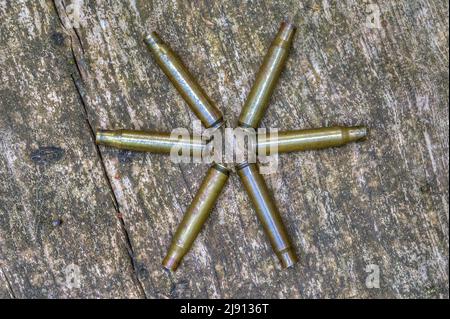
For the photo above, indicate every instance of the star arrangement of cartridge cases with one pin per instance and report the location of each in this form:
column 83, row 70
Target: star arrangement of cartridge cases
column 211, row 117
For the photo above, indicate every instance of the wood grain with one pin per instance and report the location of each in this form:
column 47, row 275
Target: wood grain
column 383, row 202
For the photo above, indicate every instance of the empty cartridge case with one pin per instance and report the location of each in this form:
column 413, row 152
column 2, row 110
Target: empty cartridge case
column 267, row 213
column 302, row 140
column 147, row 141
column 196, row 215
column 184, row 82
column 258, row 99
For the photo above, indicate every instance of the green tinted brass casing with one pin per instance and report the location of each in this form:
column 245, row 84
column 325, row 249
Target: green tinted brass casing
column 146, row 141
column 196, row 215
column 267, row 213
column 258, row 99
column 184, row 82
column 302, row 140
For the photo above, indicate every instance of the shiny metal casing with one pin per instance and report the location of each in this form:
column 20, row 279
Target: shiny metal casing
column 302, row 140
column 184, row 82
column 196, row 215
column 267, row 213
column 258, row 99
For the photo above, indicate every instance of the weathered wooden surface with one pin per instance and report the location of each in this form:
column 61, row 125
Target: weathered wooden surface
column 383, row 202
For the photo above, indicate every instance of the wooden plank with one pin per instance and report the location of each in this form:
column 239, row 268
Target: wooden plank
column 59, row 234
column 379, row 205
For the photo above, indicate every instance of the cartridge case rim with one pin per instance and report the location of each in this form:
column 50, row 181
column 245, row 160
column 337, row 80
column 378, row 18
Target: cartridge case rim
column 241, row 165
column 222, row 168
column 244, row 125
column 217, row 124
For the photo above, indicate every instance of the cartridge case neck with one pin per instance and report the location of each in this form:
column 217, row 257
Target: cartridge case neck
column 285, row 34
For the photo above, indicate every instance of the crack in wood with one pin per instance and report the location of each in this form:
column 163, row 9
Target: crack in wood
column 79, row 90
column 8, row 284
column 128, row 245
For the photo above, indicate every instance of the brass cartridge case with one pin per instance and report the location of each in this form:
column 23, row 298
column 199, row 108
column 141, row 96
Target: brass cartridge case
column 267, row 213
column 258, row 99
column 184, row 82
column 146, row 141
column 196, row 215
column 302, row 140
